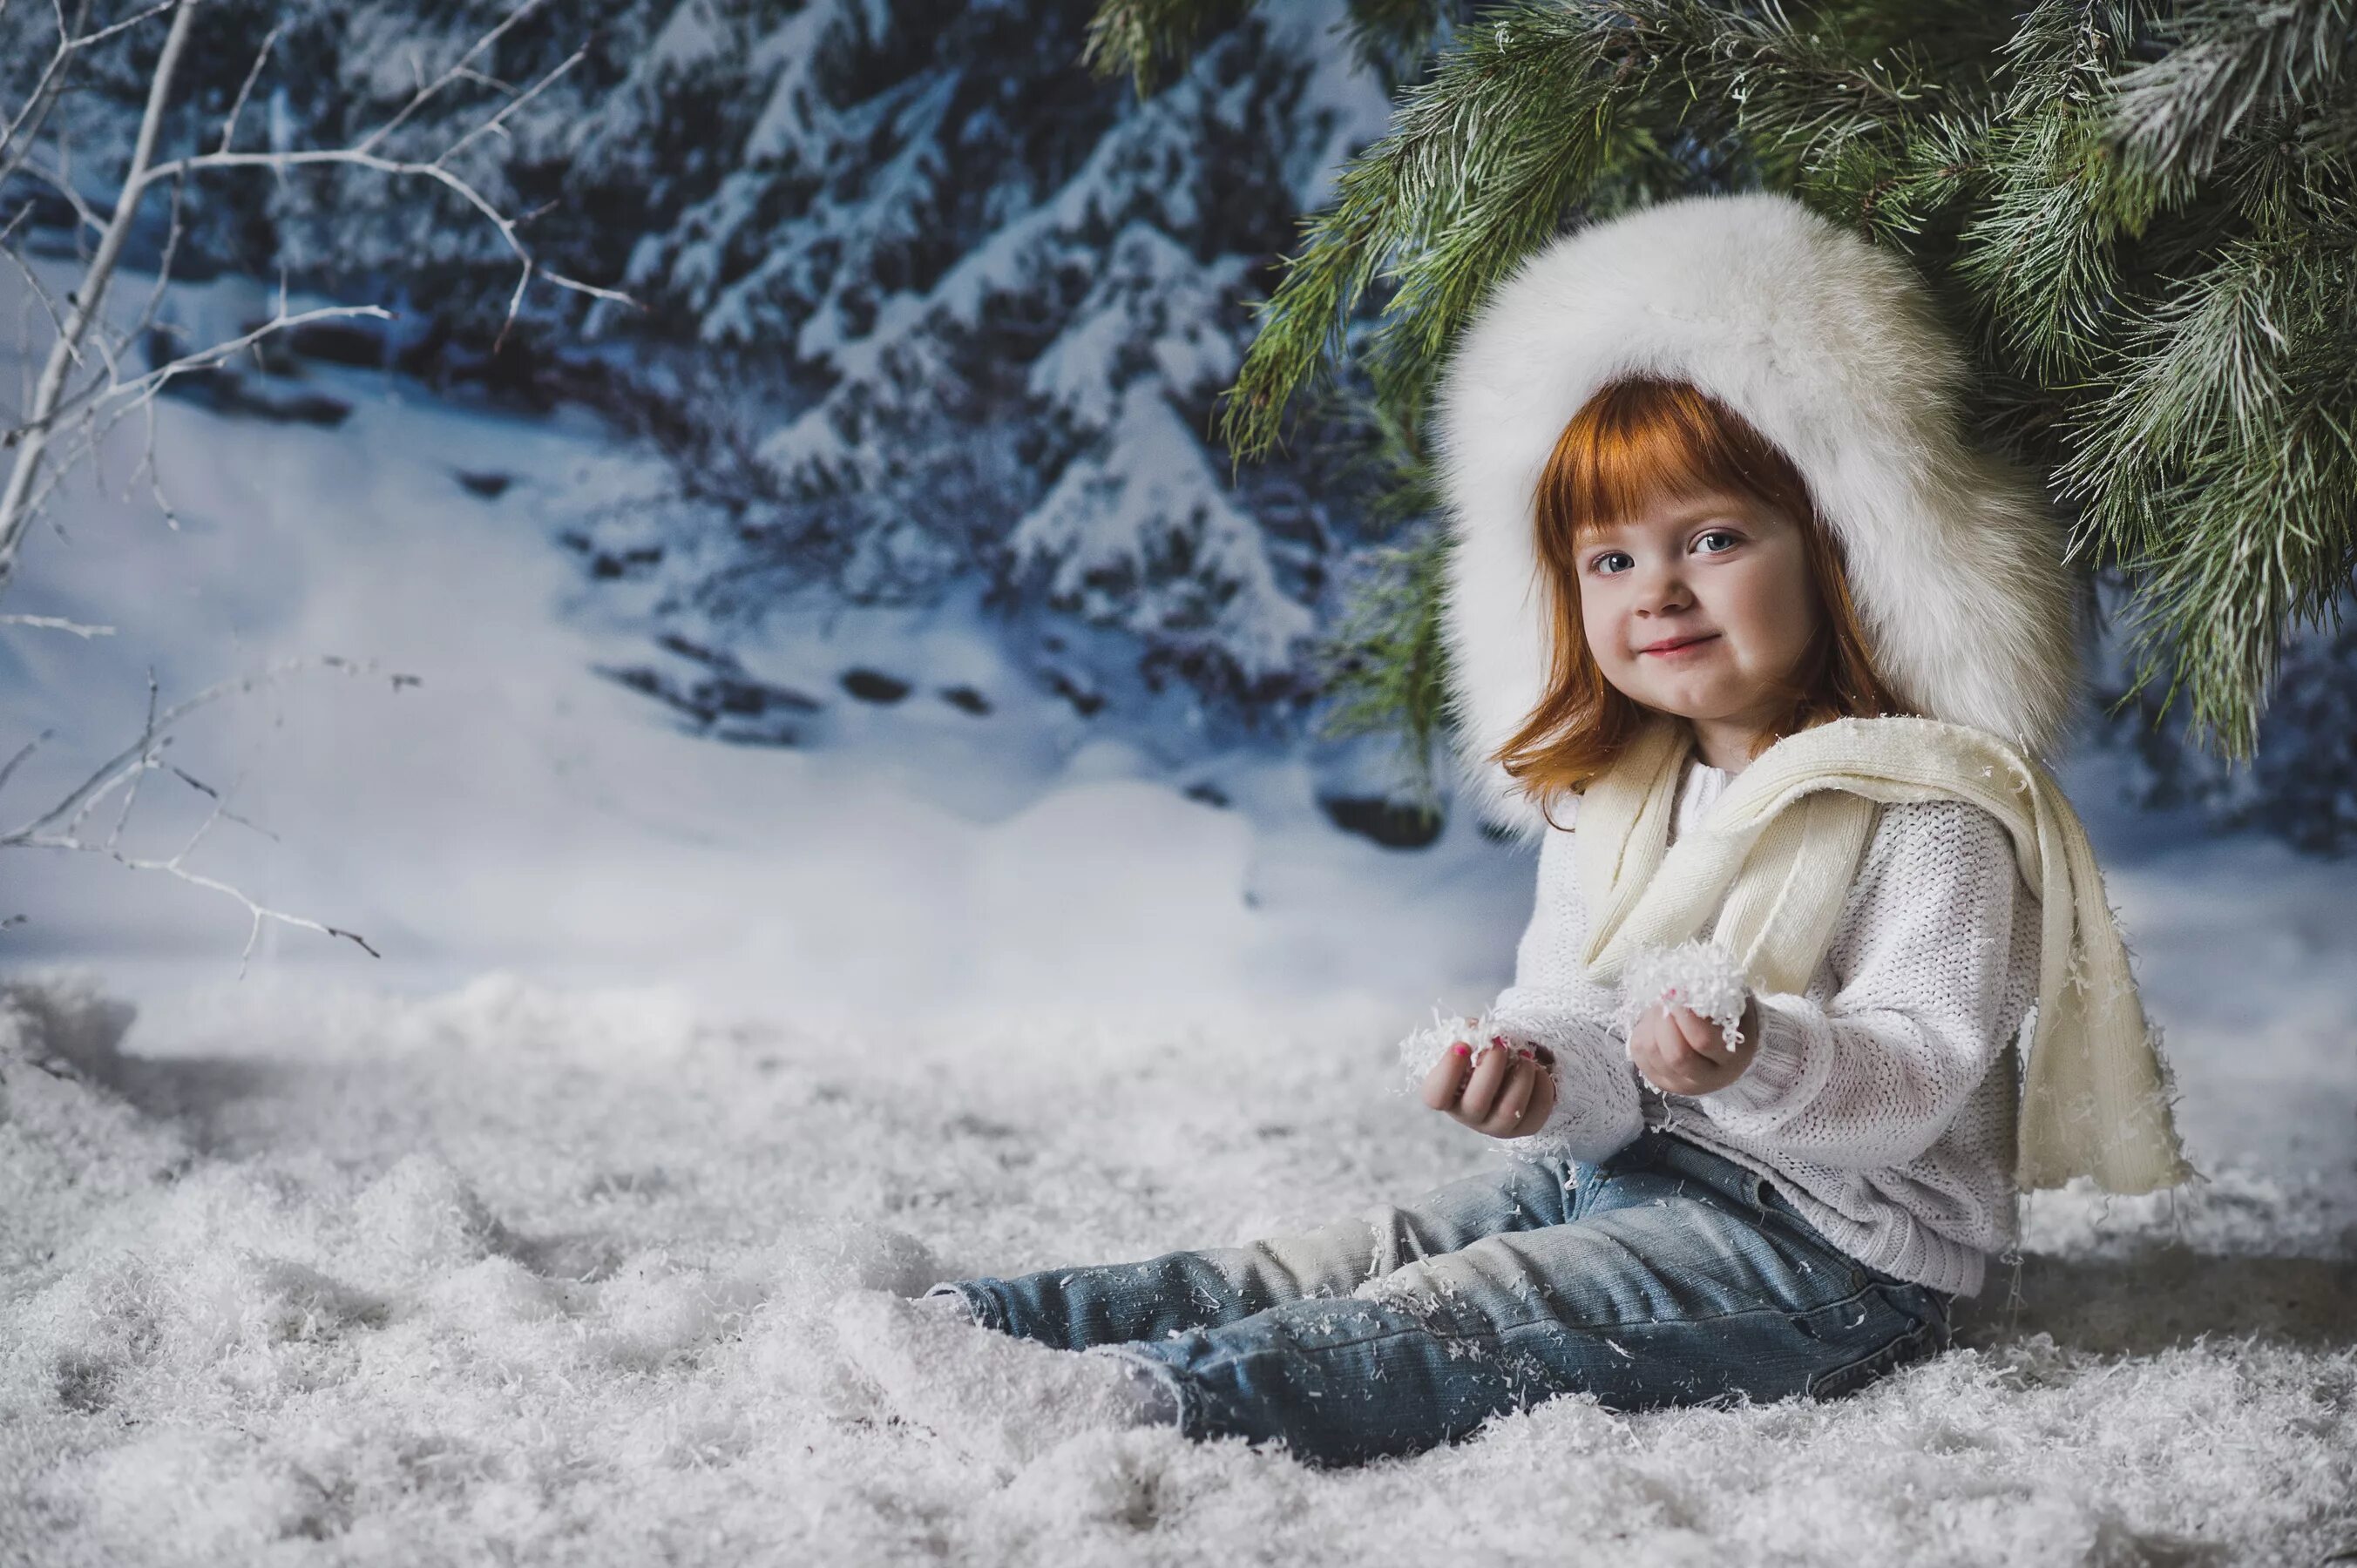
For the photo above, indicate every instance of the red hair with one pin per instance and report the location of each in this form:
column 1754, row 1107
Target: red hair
column 1638, row 439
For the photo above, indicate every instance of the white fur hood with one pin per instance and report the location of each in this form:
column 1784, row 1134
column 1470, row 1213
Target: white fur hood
column 1832, row 350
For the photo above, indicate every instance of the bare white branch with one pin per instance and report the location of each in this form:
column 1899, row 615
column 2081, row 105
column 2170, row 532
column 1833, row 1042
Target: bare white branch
column 81, row 390
column 86, row 301
column 245, row 90
column 21, row 130
column 56, row 322
column 55, row 623
column 201, row 787
column 432, row 170
column 87, row 39
column 59, row 826
column 497, row 121
column 23, row 752
column 204, row 359
column 60, row 181
column 457, row 72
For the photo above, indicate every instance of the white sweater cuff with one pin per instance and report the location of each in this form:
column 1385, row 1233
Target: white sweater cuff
column 1597, row 1111
column 1782, row 1071
column 1596, row 1107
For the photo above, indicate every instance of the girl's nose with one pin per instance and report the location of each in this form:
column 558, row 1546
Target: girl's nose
column 1661, row 589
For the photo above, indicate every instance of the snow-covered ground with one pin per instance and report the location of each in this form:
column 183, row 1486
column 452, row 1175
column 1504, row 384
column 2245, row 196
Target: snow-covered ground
column 518, row 1245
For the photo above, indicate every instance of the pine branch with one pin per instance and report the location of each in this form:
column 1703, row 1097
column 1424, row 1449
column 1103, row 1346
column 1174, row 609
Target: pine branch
column 2041, row 253
column 1152, row 38
column 1523, row 118
column 2233, row 59
column 2232, row 484
column 1398, row 34
column 2263, row 547
column 2204, row 370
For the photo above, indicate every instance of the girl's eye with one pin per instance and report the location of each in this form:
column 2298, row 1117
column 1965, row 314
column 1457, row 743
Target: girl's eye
column 1598, row 564
column 1732, row 541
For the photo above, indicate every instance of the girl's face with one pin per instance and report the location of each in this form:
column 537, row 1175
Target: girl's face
column 1722, row 574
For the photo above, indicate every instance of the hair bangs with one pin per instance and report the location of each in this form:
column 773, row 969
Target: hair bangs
column 1640, row 440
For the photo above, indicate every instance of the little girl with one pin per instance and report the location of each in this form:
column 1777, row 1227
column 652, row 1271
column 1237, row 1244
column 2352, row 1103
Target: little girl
column 1764, row 654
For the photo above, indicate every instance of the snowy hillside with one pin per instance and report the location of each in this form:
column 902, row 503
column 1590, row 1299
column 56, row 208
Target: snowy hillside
column 517, row 799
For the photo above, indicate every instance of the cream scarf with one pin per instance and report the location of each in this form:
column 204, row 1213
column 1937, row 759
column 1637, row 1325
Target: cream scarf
column 1773, row 861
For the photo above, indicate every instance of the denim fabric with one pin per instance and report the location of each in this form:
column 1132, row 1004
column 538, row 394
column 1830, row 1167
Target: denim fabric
column 1664, row 1274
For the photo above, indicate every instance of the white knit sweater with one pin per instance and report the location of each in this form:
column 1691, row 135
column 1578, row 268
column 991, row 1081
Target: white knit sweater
column 1880, row 1102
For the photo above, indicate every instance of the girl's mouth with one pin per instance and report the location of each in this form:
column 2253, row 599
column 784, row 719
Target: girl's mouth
column 1673, row 650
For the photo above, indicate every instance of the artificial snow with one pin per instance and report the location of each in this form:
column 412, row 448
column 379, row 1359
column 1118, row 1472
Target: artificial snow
column 1703, row 976
column 547, row 1275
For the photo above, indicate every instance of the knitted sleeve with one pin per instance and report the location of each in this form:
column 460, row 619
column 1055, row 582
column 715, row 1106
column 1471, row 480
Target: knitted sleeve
column 1872, row 1075
column 1553, row 1002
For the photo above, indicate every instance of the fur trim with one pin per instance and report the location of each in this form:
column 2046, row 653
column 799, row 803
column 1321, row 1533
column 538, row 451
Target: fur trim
column 1833, row 350
column 1702, row 976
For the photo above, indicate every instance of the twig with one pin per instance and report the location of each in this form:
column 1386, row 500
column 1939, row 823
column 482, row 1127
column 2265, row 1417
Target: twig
column 245, row 90
column 55, row 623
column 59, row 826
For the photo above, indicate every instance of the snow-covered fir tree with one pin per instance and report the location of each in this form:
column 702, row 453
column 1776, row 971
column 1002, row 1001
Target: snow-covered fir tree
column 1010, row 293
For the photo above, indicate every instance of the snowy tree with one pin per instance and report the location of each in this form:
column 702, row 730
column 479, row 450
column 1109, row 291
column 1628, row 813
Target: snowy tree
column 1010, row 296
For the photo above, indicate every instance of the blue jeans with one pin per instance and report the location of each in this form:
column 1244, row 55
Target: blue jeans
column 1664, row 1274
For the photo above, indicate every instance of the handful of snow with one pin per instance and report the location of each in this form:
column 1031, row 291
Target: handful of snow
column 1703, row 976
column 1422, row 1050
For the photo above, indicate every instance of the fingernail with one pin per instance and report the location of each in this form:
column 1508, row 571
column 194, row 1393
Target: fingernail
column 1498, row 1041
column 1523, row 1051
column 1460, row 1049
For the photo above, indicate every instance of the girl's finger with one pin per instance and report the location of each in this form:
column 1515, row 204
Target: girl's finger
column 1662, row 1042
column 1515, row 1102
column 1699, row 1035
column 1641, row 1049
column 1659, row 1052
column 1481, row 1096
column 1446, row 1079
column 1542, row 1104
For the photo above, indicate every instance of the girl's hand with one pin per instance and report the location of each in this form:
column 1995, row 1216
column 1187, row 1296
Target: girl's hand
column 1505, row 1090
column 1679, row 1051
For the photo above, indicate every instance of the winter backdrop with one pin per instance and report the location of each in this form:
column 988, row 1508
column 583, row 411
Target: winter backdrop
column 830, row 756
